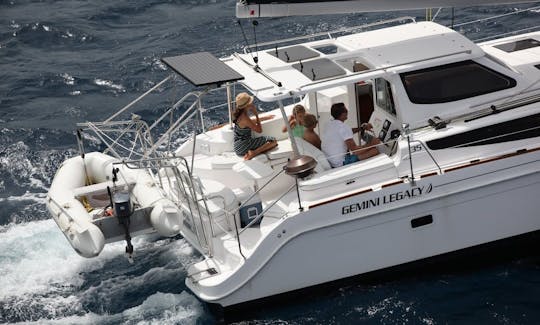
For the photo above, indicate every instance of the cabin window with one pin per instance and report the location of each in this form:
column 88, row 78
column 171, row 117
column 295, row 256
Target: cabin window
column 383, row 96
column 518, row 129
column 453, row 82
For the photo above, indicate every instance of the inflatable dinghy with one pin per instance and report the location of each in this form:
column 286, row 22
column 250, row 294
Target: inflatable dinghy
column 96, row 200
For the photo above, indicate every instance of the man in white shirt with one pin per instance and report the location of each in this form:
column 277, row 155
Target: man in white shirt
column 337, row 139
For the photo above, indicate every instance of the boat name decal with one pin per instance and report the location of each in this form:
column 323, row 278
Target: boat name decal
column 388, row 198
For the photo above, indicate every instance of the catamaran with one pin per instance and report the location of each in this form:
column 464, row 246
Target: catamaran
column 459, row 161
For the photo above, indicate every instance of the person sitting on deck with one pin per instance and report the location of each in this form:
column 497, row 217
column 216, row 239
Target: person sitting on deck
column 296, row 121
column 244, row 144
column 310, row 122
column 337, row 139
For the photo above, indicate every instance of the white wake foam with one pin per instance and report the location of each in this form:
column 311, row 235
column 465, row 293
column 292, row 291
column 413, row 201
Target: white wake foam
column 159, row 308
column 43, row 279
column 35, row 256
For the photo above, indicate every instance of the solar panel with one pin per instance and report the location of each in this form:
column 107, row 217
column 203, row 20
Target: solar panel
column 202, row 69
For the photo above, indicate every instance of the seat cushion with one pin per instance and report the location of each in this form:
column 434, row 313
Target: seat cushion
column 252, row 169
column 228, row 159
column 306, row 148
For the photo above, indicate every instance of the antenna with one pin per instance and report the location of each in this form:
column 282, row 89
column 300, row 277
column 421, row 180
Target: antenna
column 256, row 58
column 246, row 41
column 277, row 55
column 301, row 65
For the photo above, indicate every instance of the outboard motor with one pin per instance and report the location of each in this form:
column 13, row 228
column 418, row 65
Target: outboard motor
column 121, row 204
column 122, row 211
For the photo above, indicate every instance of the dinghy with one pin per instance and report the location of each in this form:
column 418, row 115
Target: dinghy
column 95, row 200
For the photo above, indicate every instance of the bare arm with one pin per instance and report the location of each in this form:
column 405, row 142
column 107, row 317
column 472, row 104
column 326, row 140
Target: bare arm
column 292, row 123
column 351, row 145
column 267, row 117
column 363, row 127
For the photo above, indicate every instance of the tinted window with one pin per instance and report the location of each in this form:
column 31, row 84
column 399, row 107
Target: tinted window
column 383, row 96
column 453, row 82
column 518, row 129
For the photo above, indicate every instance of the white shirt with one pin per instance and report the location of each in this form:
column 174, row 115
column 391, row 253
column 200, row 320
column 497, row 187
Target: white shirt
column 333, row 140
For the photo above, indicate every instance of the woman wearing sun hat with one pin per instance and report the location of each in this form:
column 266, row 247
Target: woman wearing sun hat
column 244, row 144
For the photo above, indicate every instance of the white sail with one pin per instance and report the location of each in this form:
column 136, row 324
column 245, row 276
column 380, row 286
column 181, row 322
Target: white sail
column 270, row 8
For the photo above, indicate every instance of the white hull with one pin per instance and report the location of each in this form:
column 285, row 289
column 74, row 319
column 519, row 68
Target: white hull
column 498, row 203
column 458, row 162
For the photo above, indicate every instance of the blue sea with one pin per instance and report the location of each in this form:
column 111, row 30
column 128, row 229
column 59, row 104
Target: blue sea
column 63, row 62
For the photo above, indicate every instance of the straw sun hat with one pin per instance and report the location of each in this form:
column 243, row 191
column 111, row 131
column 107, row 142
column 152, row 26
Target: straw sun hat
column 243, row 100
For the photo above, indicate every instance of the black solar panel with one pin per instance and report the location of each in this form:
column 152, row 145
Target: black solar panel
column 202, row 69
column 319, row 69
column 293, row 53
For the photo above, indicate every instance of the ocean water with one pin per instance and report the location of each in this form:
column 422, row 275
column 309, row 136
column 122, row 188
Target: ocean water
column 63, row 62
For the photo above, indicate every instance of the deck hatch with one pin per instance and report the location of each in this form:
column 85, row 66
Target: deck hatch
column 293, row 53
column 327, row 49
column 202, row 69
column 319, row 69
column 518, row 45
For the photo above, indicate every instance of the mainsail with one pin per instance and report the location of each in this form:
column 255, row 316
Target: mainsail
column 280, row 8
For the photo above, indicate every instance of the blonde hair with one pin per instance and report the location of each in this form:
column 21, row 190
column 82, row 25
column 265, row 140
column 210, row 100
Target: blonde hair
column 310, row 121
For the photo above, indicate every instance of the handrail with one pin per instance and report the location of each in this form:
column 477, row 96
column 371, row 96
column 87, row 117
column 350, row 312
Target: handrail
column 341, row 30
column 260, row 215
column 429, row 153
column 494, row 137
column 192, row 110
column 494, row 17
column 176, row 125
column 356, row 74
column 188, row 189
column 61, row 208
column 138, row 99
column 111, row 143
column 488, row 110
column 508, row 33
column 174, row 107
column 428, row 150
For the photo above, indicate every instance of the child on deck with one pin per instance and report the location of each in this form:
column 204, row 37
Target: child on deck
column 296, row 121
column 310, row 122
